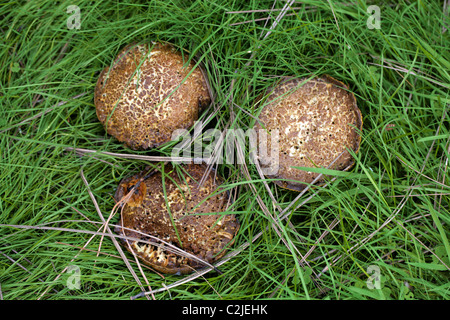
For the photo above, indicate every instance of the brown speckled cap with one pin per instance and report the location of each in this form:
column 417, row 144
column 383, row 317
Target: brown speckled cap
column 191, row 210
column 317, row 120
column 145, row 95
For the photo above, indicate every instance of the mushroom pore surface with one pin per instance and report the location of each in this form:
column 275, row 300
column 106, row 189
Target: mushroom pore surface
column 316, row 121
column 181, row 213
column 148, row 93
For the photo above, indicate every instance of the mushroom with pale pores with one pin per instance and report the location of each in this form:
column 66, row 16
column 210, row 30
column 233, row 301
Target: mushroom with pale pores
column 317, row 120
column 169, row 208
column 148, row 93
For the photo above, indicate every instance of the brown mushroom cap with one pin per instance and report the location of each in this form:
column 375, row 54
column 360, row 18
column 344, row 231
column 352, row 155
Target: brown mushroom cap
column 188, row 209
column 145, row 95
column 316, row 120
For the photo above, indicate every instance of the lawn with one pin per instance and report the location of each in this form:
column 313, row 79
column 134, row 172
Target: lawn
column 378, row 231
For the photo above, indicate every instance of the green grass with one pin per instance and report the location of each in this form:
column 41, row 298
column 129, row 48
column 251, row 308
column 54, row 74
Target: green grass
column 391, row 211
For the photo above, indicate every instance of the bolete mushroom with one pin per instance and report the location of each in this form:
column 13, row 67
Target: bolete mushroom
column 148, row 93
column 316, row 120
column 173, row 209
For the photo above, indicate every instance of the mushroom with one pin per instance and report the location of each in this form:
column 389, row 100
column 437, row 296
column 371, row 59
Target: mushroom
column 174, row 209
column 316, row 120
column 148, row 93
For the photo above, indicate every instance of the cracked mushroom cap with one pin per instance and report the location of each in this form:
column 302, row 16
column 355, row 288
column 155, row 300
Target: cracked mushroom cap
column 316, row 121
column 148, row 93
column 189, row 213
